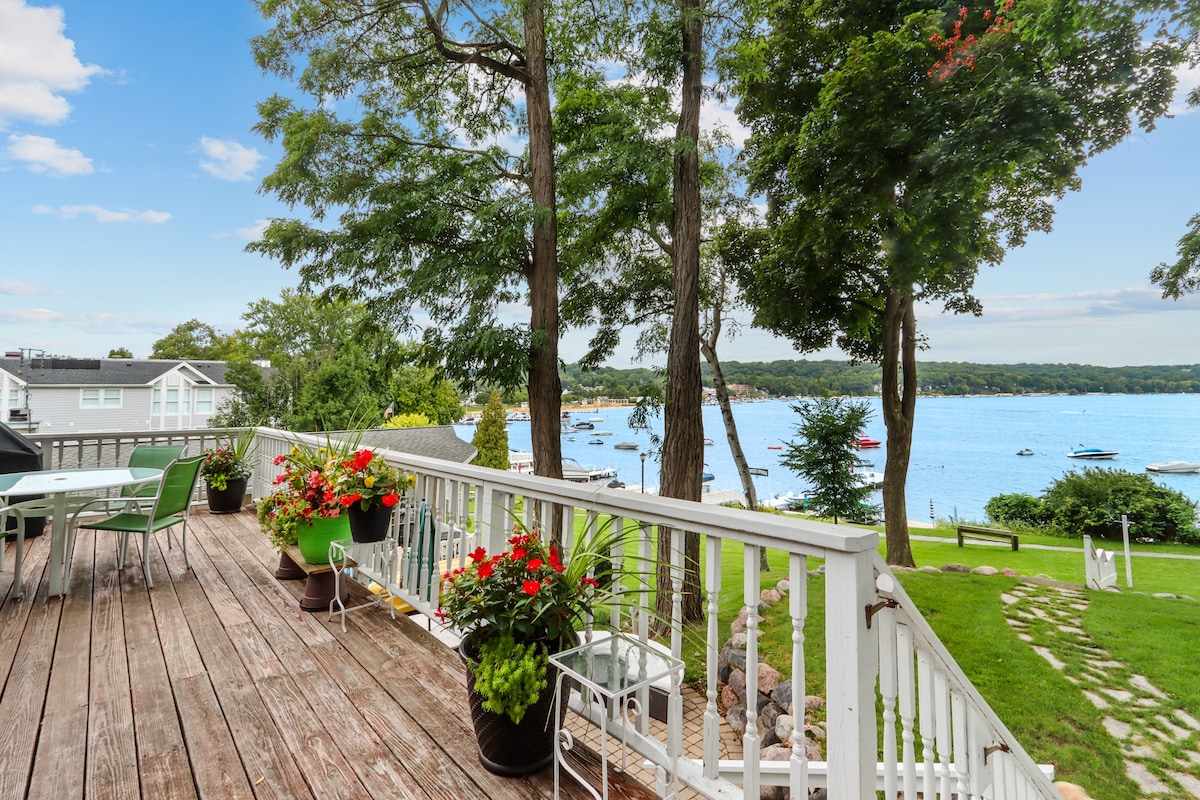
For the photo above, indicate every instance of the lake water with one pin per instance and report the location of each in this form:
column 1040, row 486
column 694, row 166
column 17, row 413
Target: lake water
column 964, row 448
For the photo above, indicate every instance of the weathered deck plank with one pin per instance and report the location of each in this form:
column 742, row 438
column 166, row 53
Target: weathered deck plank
column 214, row 684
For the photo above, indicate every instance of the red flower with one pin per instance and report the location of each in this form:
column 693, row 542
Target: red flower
column 362, row 459
column 555, row 563
column 534, row 564
column 390, row 500
column 531, row 587
column 279, row 460
column 591, row 582
column 478, row 555
column 485, row 569
column 349, row 499
column 518, row 553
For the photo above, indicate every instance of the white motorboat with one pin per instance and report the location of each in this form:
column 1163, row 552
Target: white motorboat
column 626, row 445
column 1093, row 454
column 872, row 479
column 1174, row 467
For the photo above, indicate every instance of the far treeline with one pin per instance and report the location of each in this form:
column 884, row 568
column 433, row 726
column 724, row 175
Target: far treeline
column 818, row 378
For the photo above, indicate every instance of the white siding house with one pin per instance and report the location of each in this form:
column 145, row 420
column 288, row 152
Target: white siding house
column 53, row 395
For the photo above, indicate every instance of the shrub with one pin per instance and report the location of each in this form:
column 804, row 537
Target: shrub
column 1016, row 509
column 1093, row 501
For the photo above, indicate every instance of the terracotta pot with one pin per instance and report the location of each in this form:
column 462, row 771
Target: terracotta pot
column 313, row 538
column 512, row 749
column 227, row 500
column 371, row 525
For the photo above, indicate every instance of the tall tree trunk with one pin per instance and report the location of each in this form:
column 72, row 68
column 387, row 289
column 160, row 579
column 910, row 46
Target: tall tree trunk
column 899, row 406
column 545, row 388
column 683, row 431
column 708, row 346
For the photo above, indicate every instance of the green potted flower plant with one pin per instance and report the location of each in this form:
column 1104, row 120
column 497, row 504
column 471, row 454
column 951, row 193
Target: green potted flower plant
column 306, row 507
column 226, row 471
column 514, row 609
column 371, row 489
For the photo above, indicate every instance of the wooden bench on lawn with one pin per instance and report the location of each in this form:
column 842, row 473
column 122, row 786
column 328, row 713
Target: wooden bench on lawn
column 987, row 534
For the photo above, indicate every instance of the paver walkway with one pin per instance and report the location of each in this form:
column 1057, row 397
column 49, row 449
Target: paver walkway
column 1161, row 743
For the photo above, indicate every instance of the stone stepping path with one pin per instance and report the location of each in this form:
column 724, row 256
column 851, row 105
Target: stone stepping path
column 1161, row 743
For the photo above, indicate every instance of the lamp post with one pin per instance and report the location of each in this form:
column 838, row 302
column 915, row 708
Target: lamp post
column 643, row 473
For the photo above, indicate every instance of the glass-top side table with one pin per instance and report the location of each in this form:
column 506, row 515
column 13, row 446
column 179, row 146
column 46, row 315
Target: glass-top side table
column 609, row 671
column 366, row 562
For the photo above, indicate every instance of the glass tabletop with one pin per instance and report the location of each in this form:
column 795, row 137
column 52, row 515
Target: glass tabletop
column 74, row 480
column 616, row 664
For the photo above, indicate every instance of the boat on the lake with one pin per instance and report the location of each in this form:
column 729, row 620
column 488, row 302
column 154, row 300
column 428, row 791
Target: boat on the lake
column 1093, row 454
column 866, row 441
column 595, row 441
column 774, row 447
column 582, row 425
column 595, row 419
column 1025, row 452
column 707, row 477
column 871, row 479
column 626, row 445
column 708, row 442
column 601, row 433
column 1174, row 467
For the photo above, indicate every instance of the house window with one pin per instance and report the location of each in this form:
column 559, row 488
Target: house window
column 14, row 397
column 172, row 402
column 204, row 401
column 156, row 402
column 100, row 398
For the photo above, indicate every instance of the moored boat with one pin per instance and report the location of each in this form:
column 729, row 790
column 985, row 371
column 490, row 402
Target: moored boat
column 1174, row 467
column 626, row 445
column 1093, row 454
column 866, row 441
column 1025, row 452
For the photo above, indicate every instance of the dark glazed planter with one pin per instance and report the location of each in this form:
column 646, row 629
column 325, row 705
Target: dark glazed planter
column 227, row 500
column 510, row 749
column 371, row 525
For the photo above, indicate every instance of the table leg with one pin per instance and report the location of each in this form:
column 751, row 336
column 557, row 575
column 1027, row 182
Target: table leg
column 58, row 547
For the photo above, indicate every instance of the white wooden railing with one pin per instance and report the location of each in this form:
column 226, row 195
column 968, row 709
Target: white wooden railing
column 901, row 717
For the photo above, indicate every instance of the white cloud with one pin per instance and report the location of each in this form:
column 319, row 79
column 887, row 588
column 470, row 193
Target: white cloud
column 42, row 154
column 37, row 64
column 227, row 159
column 18, row 288
column 255, row 231
column 715, row 115
column 101, row 214
column 1189, row 79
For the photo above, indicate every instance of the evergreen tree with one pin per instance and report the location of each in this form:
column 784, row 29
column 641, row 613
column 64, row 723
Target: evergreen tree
column 491, row 438
column 827, row 457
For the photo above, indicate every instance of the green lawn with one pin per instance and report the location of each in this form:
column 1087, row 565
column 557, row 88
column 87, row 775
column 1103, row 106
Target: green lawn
column 1049, row 714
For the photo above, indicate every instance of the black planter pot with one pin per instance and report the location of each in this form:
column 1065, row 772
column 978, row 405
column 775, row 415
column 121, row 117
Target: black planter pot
column 511, row 749
column 371, row 525
column 227, row 500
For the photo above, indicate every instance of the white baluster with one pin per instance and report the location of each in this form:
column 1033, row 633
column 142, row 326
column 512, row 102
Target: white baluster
column 886, row 621
column 928, row 723
column 908, row 701
column 798, row 609
column 941, row 699
column 958, row 734
column 712, row 719
column 750, row 739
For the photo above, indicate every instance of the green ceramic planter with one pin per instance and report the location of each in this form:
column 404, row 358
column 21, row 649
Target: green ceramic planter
column 313, row 539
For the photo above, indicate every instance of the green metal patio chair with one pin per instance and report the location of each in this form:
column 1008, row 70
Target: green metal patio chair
column 153, row 456
column 25, row 509
column 171, row 507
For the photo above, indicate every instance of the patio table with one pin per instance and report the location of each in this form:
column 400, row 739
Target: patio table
column 57, row 485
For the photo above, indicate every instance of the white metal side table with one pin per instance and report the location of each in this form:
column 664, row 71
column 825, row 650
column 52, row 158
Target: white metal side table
column 366, row 562
column 609, row 672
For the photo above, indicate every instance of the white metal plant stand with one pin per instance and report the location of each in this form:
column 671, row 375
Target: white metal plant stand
column 366, row 562
column 608, row 672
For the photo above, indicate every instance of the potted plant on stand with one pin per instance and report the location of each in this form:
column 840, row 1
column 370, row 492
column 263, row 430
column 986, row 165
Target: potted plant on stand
column 226, row 472
column 371, row 489
column 514, row 609
column 306, row 507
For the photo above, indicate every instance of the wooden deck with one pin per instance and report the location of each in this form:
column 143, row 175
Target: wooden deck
column 214, row 684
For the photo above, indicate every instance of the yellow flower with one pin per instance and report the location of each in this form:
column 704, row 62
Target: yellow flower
column 369, row 481
column 410, row 481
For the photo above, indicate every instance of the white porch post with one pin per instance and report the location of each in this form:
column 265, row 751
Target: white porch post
column 852, row 660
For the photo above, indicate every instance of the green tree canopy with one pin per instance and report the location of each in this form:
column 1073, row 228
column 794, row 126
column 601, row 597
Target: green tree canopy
column 826, row 456
column 195, row 340
column 903, row 145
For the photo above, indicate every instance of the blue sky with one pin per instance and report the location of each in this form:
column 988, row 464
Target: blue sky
column 129, row 176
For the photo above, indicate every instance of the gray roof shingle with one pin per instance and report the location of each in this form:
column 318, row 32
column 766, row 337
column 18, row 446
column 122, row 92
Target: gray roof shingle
column 104, row 371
